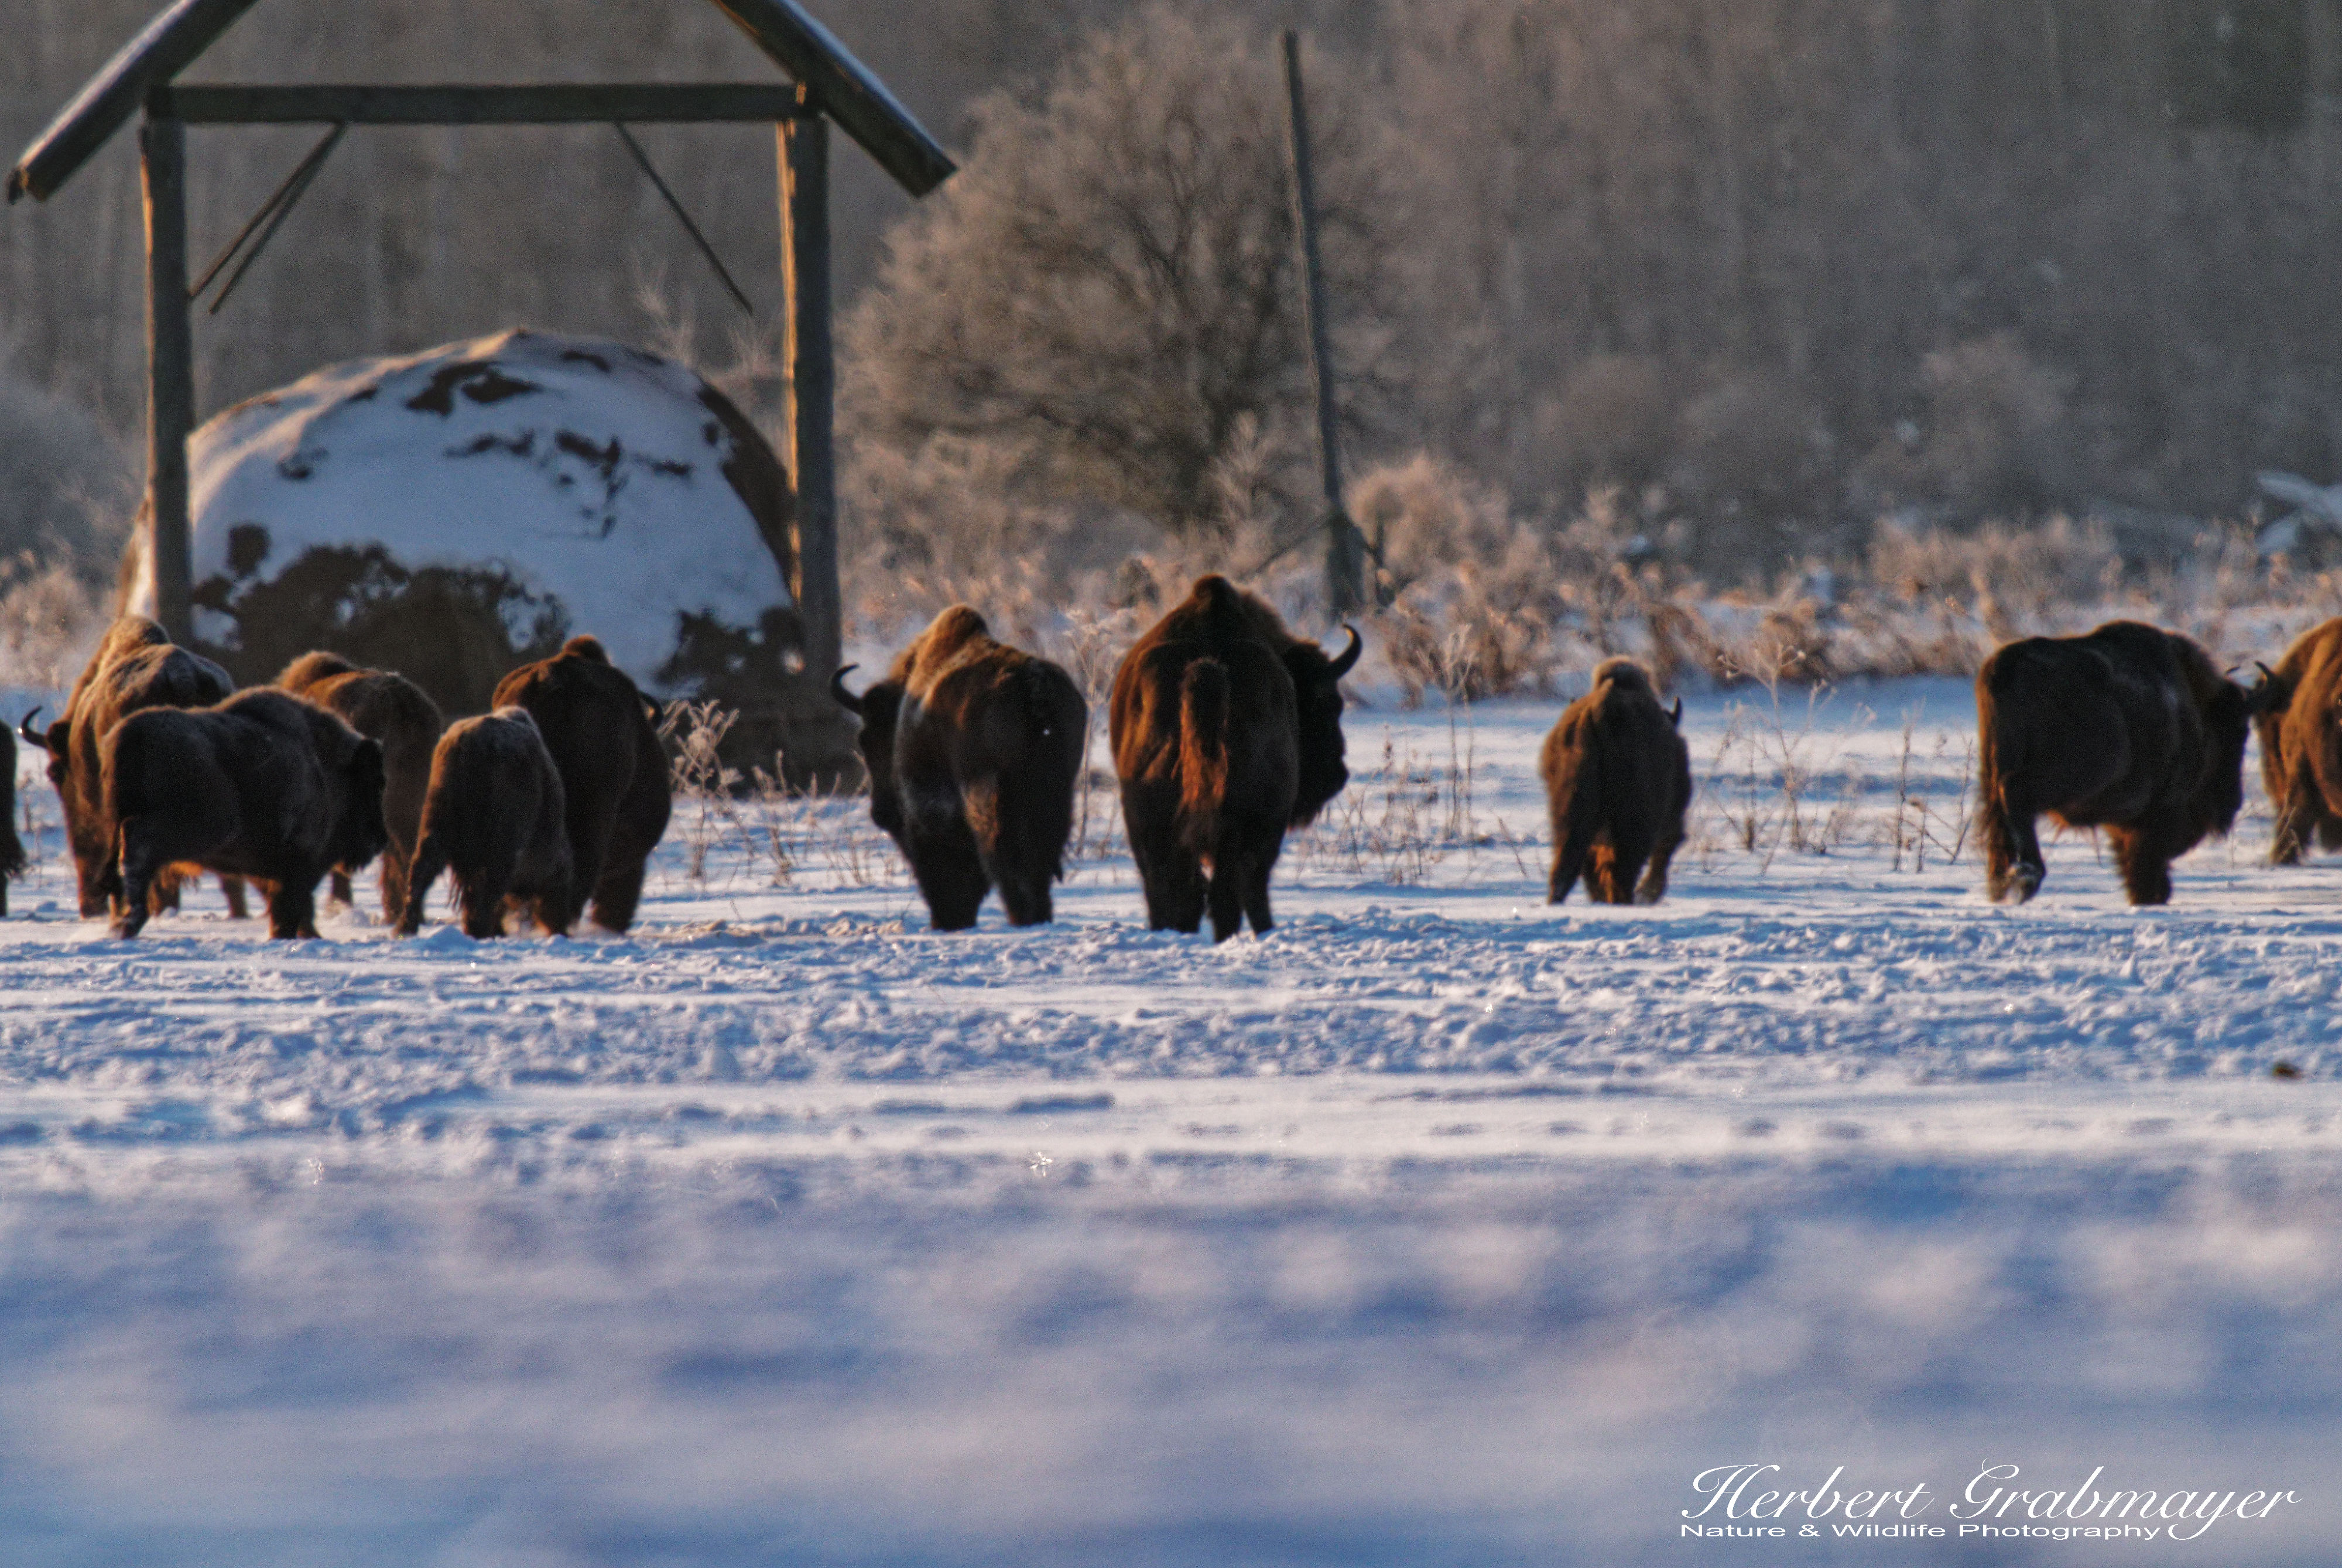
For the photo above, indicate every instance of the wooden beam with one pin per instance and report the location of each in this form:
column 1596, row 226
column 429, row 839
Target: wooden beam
column 812, row 386
column 170, row 370
column 163, row 48
column 844, row 89
column 551, row 103
column 1343, row 563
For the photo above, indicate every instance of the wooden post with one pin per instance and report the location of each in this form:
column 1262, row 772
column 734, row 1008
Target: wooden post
column 813, row 379
column 1343, row 563
column 170, row 369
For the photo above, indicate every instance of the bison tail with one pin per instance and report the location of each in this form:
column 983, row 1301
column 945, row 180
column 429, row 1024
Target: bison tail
column 1202, row 752
column 2002, row 823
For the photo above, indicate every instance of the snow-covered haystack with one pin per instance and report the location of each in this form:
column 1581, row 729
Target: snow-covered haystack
column 456, row 512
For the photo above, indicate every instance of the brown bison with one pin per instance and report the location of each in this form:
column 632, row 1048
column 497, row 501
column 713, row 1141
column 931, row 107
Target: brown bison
column 12, row 848
column 136, row 667
column 386, row 707
column 973, row 749
column 263, row 785
column 1618, row 777
column 2130, row 728
column 2300, row 724
column 614, row 776
column 493, row 817
column 1228, row 729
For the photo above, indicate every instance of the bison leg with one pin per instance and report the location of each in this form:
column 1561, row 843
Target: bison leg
column 1570, row 851
column 2012, row 852
column 1225, row 895
column 2298, row 816
column 1662, row 853
column 232, row 889
column 396, row 859
column 292, row 908
column 143, row 861
column 619, row 894
column 2146, row 864
column 430, row 859
column 338, row 889
column 481, row 896
column 1169, row 873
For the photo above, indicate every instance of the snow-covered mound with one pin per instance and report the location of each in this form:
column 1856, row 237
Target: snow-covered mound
column 598, row 487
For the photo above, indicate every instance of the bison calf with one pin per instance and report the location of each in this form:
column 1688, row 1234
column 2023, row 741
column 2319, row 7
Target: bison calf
column 616, row 795
column 974, row 749
column 1228, row 731
column 2129, row 728
column 1618, row 777
column 136, row 667
column 493, row 817
column 2300, row 724
column 263, row 786
column 386, row 707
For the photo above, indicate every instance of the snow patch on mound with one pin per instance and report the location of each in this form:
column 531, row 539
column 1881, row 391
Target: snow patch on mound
column 607, row 478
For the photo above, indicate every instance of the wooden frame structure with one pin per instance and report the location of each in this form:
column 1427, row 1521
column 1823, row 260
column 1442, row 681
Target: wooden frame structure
column 826, row 83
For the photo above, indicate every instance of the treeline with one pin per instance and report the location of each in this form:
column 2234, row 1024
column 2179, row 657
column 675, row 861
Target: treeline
column 1767, row 267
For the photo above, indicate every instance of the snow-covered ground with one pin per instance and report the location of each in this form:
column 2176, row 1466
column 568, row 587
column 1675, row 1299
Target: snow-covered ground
column 1440, row 1226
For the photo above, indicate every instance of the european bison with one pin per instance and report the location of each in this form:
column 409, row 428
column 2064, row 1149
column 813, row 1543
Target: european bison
column 136, row 667
column 387, row 707
column 614, row 776
column 2130, row 728
column 12, row 848
column 1618, row 777
column 1228, row 729
column 263, row 785
column 973, row 749
column 493, row 817
column 2300, row 724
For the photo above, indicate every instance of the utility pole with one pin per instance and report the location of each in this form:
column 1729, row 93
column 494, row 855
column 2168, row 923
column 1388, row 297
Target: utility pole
column 1344, row 560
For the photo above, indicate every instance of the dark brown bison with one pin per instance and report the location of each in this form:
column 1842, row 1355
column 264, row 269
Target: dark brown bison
column 12, row 848
column 1228, row 729
column 493, row 817
column 973, row 749
column 263, row 786
column 136, row 667
column 1618, row 777
column 387, row 707
column 2129, row 728
column 2300, row 724
column 614, row 776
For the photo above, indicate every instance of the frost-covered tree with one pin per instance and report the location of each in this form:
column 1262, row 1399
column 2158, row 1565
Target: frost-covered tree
column 1106, row 291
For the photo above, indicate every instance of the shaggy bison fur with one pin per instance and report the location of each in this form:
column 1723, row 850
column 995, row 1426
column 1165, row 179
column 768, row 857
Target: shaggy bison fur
column 2129, row 728
column 973, row 749
column 1226, row 730
column 136, row 667
column 386, row 707
column 1617, row 778
column 493, row 818
column 2300, row 724
column 263, row 785
column 616, row 795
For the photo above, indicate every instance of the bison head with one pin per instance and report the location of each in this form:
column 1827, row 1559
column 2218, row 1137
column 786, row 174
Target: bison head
column 878, row 708
column 1318, row 713
column 2227, row 720
column 360, row 832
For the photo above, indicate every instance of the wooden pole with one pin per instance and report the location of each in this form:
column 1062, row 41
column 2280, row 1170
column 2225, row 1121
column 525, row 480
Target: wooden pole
column 812, row 380
column 170, row 369
column 1344, row 562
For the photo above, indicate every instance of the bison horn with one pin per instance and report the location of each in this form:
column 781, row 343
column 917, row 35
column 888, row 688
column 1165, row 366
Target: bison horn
column 845, row 699
column 2266, row 674
column 25, row 729
column 1675, row 718
column 1348, row 655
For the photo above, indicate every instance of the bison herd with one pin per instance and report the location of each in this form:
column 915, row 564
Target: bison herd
column 1226, row 730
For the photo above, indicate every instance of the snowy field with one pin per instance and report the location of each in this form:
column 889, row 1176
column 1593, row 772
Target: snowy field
column 1439, row 1227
